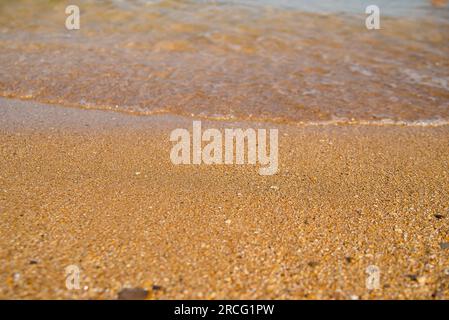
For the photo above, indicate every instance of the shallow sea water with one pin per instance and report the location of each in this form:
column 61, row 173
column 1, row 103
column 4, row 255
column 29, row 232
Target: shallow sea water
column 280, row 61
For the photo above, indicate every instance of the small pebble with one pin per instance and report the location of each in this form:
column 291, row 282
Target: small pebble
column 412, row 277
column 132, row 294
column 444, row 245
column 422, row 280
column 16, row 276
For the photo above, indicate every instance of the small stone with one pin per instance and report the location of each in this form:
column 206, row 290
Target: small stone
column 132, row 294
column 444, row 245
column 438, row 216
column 138, row 173
column 312, row 264
column 348, row 259
column 436, row 294
column 228, row 221
column 354, row 297
column 34, row 261
column 156, row 287
column 412, row 277
column 274, row 187
column 422, row 280
column 16, row 276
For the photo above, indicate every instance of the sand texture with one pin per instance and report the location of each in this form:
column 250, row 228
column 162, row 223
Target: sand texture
column 97, row 189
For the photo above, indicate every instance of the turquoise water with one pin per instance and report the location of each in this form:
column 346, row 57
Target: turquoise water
column 398, row 8
column 389, row 7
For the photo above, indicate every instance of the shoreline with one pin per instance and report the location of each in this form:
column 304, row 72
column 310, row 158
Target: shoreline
column 76, row 114
column 97, row 189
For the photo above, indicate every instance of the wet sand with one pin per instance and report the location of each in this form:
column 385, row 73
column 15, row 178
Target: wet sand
column 97, row 189
column 226, row 60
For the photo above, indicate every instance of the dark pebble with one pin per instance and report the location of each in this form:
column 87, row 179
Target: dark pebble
column 438, row 216
column 156, row 288
column 412, row 277
column 132, row 294
column 444, row 245
column 33, row 262
column 437, row 294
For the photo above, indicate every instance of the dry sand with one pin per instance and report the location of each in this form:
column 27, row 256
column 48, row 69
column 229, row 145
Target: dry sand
column 97, row 189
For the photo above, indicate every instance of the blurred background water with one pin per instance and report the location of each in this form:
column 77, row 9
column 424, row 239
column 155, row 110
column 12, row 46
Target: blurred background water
column 399, row 8
column 283, row 61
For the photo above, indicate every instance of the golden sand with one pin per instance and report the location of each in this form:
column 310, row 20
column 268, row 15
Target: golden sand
column 97, row 189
